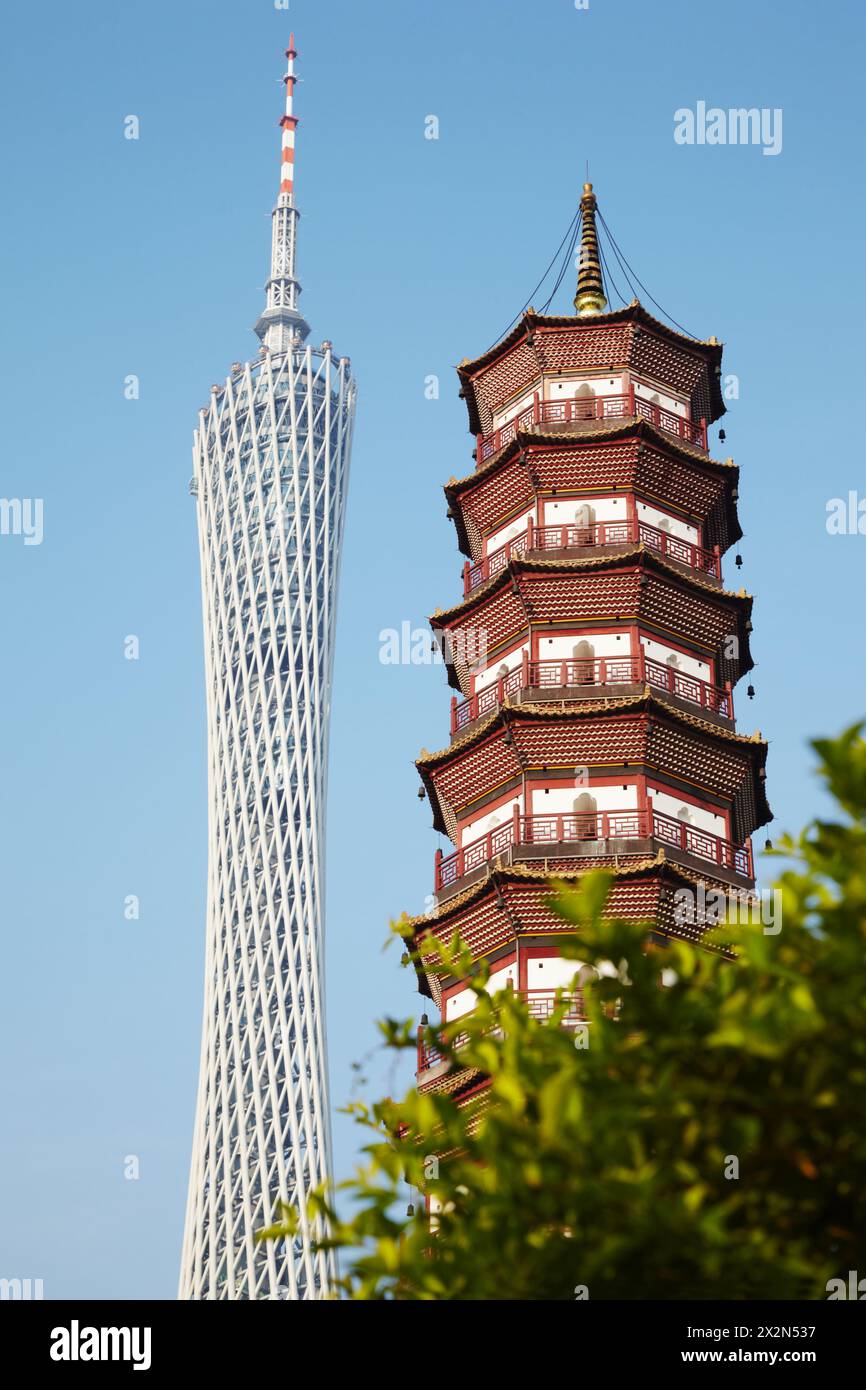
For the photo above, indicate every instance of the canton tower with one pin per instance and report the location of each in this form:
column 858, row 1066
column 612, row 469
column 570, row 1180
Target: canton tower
column 271, row 460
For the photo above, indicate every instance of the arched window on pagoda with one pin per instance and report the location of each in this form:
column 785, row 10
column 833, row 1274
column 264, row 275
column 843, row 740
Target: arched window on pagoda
column 585, row 808
column 586, row 394
column 673, row 664
column 584, row 663
column 584, row 523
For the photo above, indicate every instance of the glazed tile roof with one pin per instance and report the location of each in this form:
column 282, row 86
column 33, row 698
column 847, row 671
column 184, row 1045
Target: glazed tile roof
column 509, row 483
column 520, row 564
column 640, row 731
column 580, row 708
column 608, row 430
column 632, row 336
column 515, row 901
column 531, row 874
column 626, row 585
column 634, row 311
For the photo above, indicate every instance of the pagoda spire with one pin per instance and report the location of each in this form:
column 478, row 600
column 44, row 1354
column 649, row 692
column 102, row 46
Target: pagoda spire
column 281, row 324
column 590, row 297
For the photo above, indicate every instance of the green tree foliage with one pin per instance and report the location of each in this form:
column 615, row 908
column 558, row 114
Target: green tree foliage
column 604, row 1164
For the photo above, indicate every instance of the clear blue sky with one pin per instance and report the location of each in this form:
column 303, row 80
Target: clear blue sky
column 148, row 257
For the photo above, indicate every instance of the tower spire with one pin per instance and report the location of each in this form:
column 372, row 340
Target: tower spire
column 590, row 297
column 289, row 122
column 281, row 323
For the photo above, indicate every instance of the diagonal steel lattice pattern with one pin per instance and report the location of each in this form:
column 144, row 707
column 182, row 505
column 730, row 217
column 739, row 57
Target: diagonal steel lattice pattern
column 271, row 460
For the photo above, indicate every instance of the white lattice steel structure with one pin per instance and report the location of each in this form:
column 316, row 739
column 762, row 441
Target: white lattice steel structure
column 271, row 459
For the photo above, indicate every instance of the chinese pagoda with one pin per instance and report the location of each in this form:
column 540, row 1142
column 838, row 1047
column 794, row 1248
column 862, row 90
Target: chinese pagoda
column 594, row 652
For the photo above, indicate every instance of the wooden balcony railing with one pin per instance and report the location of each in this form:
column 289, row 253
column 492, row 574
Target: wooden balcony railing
column 575, row 537
column 557, row 831
column 601, row 671
column 541, row 1004
column 627, row 405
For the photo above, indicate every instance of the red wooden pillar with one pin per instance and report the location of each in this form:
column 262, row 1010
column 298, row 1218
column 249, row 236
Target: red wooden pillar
column 530, row 533
column 717, row 553
column 644, row 809
column 437, row 871
column 704, row 431
column 631, row 515
column 454, row 714
column 524, row 670
column 636, row 651
column 515, row 824
column 466, row 581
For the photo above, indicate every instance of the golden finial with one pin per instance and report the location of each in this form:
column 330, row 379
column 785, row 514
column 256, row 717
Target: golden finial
column 590, row 297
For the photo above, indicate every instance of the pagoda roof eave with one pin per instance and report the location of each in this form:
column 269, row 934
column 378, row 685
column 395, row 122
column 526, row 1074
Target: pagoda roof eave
column 633, row 312
column 590, row 432
column 598, row 432
column 501, row 874
column 520, row 564
column 453, row 1085
column 507, row 712
column 582, row 708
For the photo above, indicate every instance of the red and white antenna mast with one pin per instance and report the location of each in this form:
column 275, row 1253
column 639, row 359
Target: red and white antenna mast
column 289, row 124
column 282, row 325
